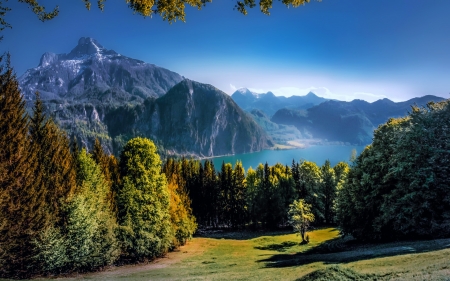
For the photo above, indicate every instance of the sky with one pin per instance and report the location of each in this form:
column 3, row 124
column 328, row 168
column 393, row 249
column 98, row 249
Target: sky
column 340, row 49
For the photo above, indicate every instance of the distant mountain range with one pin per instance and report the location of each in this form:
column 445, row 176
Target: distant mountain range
column 269, row 103
column 93, row 92
column 348, row 122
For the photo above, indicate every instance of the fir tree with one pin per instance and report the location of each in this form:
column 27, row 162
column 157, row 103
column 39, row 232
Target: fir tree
column 18, row 200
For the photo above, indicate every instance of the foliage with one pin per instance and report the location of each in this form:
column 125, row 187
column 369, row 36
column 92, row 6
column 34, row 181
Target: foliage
column 398, row 187
column 143, row 202
column 310, row 187
column 87, row 240
column 44, row 179
column 328, row 191
column 168, row 10
column 300, row 217
column 16, row 189
column 260, row 198
column 181, row 218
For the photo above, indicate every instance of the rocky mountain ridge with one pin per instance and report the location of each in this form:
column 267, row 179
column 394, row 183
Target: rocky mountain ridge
column 91, row 72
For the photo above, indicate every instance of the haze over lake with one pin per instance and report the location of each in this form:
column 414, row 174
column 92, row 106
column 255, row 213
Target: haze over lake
column 317, row 153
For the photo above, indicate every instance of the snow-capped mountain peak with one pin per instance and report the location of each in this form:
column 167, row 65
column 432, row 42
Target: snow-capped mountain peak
column 87, row 47
column 90, row 69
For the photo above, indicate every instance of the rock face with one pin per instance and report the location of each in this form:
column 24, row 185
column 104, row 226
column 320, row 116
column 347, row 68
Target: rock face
column 90, row 71
column 192, row 119
column 269, row 103
column 347, row 122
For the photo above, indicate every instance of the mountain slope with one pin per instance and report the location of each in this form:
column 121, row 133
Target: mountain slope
column 191, row 119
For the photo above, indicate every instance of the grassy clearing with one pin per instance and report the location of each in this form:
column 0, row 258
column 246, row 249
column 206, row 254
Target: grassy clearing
column 279, row 256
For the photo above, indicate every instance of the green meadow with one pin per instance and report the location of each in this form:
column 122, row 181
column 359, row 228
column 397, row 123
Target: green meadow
column 279, row 256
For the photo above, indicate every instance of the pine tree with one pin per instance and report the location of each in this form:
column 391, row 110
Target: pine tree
column 328, row 191
column 238, row 210
column 87, row 238
column 102, row 159
column 17, row 204
column 54, row 173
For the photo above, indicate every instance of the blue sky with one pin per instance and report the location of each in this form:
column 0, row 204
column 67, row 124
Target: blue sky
column 343, row 49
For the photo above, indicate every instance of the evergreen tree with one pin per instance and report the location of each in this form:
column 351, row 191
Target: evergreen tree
column 238, row 206
column 252, row 184
column 18, row 200
column 54, row 174
column 328, row 190
column 211, row 191
column 87, row 240
column 102, row 159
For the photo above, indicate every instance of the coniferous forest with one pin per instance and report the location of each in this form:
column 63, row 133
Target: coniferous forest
column 64, row 209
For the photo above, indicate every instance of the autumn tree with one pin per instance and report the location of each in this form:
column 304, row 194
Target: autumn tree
column 182, row 220
column 168, row 10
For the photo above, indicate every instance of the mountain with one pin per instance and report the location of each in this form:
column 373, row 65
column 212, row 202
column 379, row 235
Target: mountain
column 191, row 119
column 348, row 122
column 269, row 103
column 91, row 72
column 280, row 133
column 92, row 92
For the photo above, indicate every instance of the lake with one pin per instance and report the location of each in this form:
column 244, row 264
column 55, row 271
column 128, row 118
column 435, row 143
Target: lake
column 316, row 153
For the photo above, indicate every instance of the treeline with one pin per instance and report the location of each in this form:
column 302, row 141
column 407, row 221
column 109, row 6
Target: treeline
column 399, row 187
column 65, row 210
column 259, row 198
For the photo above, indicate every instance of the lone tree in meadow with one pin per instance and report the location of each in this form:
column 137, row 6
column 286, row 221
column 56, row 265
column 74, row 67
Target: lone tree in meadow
column 300, row 216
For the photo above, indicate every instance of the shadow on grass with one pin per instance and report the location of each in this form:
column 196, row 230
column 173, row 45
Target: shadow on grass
column 280, row 247
column 240, row 235
column 342, row 250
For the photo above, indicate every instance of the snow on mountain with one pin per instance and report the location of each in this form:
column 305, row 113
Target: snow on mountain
column 91, row 71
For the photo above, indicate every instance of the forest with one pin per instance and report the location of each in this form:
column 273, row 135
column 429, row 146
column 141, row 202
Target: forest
column 64, row 209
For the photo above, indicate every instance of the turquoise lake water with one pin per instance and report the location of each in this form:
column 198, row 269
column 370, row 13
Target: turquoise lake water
column 317, row 154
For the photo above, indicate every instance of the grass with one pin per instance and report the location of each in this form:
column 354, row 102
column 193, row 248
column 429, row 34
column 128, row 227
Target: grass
column 279, row 256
